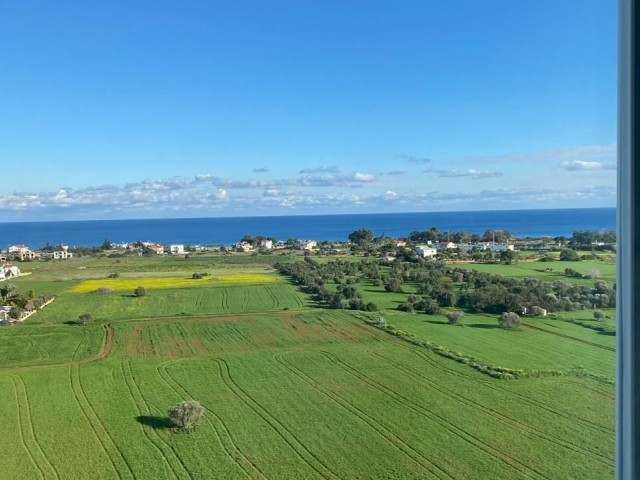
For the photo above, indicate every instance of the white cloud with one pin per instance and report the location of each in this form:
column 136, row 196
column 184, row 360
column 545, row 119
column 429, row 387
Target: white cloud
column 321, row 169
column 363, row 177
column 471, row 172
column 582, row 165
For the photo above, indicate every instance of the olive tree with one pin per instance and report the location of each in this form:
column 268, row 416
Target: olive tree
column 86, row 318
column 455, row 318
column 509, row 320
column 185, row 415
column 140, row 291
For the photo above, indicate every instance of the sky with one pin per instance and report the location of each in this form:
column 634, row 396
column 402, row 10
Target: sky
column 160, row 109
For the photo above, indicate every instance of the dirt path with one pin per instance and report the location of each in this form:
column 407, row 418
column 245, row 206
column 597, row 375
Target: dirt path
column 570, row 337
column 107, row 346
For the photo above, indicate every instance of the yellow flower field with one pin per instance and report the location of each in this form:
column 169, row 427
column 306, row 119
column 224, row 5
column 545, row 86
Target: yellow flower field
column 225, row 279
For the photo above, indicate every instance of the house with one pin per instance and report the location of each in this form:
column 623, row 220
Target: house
column 18, row 249
column 154, row 247
column 62, row 254
column 501, row 247
column 426, row 251
column 307, row 244
column 244, row 246
column 446, row 245
column 176, row 249
column 7, row 270
column 399, row 242
column 266, row 244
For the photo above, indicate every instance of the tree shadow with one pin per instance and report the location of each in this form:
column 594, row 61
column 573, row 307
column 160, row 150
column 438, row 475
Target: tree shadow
column 483, row 325
column 73, row 322
column 437, row 322
column 153, row 421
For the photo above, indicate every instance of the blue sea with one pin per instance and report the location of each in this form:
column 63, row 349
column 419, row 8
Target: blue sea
column 521, row 223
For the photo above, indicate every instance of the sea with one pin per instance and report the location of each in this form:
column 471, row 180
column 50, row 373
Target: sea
column 227, row 230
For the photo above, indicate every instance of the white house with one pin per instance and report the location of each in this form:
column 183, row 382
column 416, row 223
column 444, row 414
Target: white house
column 501, row 247
column 425, row 251
column 446, row 245
column 266, row 244
column 7, row 270
column 307, row 244
column 176, row 249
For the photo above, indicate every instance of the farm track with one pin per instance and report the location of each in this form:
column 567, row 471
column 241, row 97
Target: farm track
column 113, row 453
column 164, row 449
column 457, row 396
column 27, row 432
column 492, row 385
column 274, row 298
column 296, row 445
column 21, row 432
column 564, row 335
column 497, row 454
column 225, row 439
column 413, row 454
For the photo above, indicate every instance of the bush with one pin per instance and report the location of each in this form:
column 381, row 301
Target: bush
column 196, row 276
column 537, row 311
column 103, row 290
column 371, row 307
column 86, row 317
column 114, row 275
column 566, row 254
column 140, row 291
column 185, row 415
column 598, row 315
column 455, row 318
column 509, row 320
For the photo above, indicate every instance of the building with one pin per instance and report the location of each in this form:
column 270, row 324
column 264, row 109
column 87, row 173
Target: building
column 307, row 244
column 7, row 271
column 62, row 254
column 426, row 251
column 176, row 249
column 266, row 244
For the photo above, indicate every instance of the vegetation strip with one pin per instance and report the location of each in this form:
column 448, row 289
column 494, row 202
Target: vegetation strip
column 564, row 335
column 491, row 370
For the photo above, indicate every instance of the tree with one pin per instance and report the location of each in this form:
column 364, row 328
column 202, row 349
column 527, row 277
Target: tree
column 140, row 291
column 185, row 415
column 568, row 255
column 598, row 315
column 86, row 318
column 509, row 320
column 361, row 236
column 106, row 245
column 455, row 318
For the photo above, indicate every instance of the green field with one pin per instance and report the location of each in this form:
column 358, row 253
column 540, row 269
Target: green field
column 291, row 390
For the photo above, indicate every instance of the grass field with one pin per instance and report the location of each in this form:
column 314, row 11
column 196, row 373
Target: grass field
column 293, row 391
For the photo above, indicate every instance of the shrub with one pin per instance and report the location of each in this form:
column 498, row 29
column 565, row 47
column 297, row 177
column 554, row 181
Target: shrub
column 537, row 311
column 196, row 276
column 103, row 290
column 140, row 291
column 114, row 275
column 185, row 415
column 86, row 317
column 598, row 315
column 371, row 307
column 455, row 318
column 509, row 320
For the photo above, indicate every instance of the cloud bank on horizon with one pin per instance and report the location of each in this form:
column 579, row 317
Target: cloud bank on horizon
column 568, row 177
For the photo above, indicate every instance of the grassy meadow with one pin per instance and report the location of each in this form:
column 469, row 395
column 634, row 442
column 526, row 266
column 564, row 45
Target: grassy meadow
column 290, row 390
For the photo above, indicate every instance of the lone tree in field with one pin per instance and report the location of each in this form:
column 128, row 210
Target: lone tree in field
column 185, row 415
column 86, row 318
column 140, row 291
column 455, row 318
column 598, row 315
column 509, row 320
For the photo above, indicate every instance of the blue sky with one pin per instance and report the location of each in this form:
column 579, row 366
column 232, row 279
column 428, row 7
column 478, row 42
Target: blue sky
column 207, row 108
